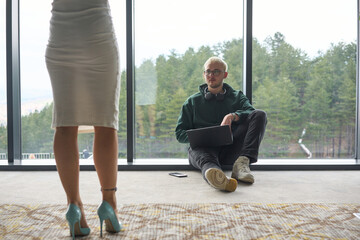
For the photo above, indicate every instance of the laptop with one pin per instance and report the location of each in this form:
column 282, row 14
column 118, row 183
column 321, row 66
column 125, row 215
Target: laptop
column 214, row 136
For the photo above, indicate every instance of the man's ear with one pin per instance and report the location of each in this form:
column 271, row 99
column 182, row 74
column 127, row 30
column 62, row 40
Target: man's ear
column 225, row 74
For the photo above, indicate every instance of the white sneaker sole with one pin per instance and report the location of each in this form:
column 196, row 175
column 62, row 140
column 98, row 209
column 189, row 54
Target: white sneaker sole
column 218, row 180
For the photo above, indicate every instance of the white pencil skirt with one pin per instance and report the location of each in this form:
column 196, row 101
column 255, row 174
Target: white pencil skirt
column 83, row 64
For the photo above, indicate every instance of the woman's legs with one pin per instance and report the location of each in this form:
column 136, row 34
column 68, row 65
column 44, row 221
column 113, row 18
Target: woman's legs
column 67, row 163
column 105, row 155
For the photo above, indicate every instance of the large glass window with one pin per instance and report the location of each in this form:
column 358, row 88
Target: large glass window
column 3, row 108
column 118, row 13
column 304, row 73
column 172, row 42
column 36, row 93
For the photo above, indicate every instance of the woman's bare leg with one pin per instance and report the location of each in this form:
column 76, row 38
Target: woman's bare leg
column 67, row 163
column 105, row 154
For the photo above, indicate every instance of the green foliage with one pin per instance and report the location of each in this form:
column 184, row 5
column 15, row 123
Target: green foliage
column 3, row 139
column 233, row 55
column 296, row 92
column 279, row 101
column 37, row 134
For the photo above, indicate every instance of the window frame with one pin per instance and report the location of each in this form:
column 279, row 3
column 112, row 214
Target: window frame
column 14, row 100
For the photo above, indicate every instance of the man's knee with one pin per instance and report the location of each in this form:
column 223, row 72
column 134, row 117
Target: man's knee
column 260, row 115
column 203, row 155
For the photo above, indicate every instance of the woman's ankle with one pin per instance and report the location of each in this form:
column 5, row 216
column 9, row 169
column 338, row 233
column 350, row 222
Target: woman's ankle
column 77, row 202
column 110, row 198
column 109, row 195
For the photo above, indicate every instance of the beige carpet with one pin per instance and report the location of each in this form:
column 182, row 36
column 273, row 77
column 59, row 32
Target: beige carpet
column 191, row 221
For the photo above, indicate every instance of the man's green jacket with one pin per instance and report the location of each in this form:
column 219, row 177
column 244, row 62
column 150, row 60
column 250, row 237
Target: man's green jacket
column 197, row 112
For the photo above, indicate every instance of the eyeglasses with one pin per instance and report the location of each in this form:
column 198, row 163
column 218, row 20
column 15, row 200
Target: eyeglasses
column 216, row 72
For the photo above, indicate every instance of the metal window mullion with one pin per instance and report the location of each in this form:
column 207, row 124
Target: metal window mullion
column 247, row 49
column 357, row 125
column 130, row 80
column 13, row 80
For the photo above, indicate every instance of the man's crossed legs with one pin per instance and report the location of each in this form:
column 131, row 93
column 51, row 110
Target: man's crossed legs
column 244, row 151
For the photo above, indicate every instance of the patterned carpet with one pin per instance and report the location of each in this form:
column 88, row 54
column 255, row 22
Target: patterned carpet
column 191, row 221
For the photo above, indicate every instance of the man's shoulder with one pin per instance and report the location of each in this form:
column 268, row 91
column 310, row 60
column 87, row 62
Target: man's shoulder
column 233, row 91
column 193, row 98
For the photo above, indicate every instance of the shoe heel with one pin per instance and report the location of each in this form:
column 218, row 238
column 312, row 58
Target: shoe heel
column 73, row 216
column 72, row 230
column 101, row 225
column 106, row 212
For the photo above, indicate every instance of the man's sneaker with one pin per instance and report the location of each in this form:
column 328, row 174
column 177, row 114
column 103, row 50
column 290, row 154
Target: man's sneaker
column 217, row 179
column 241, row 170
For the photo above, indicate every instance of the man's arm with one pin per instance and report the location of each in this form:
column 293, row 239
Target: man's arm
column 184, row 123
column 229, row 118
column 244, row 108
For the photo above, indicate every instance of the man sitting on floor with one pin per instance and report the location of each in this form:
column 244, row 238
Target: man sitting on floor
column 219, row 104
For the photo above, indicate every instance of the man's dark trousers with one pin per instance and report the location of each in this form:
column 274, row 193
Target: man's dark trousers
column 247, row 138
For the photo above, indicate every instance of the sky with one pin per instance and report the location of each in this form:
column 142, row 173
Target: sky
column 163, row 25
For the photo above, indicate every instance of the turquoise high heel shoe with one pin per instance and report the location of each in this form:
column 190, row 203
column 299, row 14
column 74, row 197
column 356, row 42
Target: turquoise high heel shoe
column 73, row 216
column 107, row 213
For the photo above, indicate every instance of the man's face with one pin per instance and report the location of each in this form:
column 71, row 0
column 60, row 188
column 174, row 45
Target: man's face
column 214, row 75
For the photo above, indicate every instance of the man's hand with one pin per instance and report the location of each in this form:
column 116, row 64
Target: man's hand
column 227, row 120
